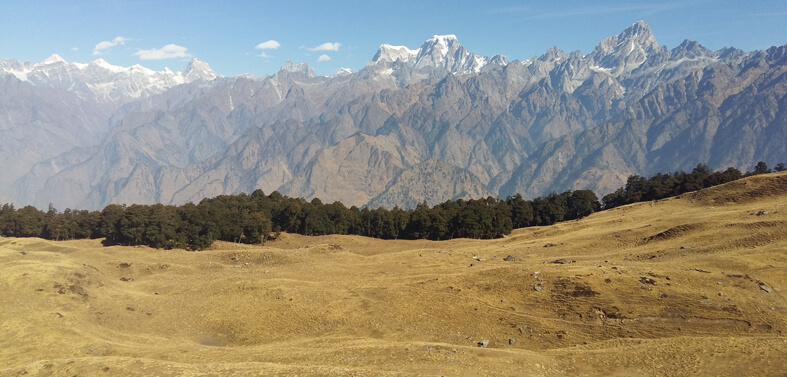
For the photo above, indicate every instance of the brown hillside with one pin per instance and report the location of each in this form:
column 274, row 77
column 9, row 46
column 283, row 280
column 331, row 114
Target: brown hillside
column 679, row 287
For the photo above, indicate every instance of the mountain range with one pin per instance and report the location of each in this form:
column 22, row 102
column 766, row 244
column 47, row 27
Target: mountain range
column 427, row 124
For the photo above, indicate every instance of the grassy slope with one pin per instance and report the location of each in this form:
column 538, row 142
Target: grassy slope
column 345, row 305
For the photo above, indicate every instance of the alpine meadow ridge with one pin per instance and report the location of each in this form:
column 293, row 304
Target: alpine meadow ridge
column 430, row 124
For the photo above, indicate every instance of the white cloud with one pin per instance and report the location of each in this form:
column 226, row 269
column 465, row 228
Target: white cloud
column 327, row 46
column 169, row 51
column 323, row 58
column 268, row 45
column 104, row 45
column 74, row 48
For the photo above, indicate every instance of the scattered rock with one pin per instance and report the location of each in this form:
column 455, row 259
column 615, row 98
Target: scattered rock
column 699, row 270
column 511, row 341
column 472, row 264
column 663, row 295
column 483, row 343
column 647, row 280
column 762, row 213
column 126, row 279
column 560, row 261
column 765, row 288
column 550, row 245
column 719, row 283
column 721, row 294
column 537, row 288
column 686, row 247
column 23, row 252
column 509, row 258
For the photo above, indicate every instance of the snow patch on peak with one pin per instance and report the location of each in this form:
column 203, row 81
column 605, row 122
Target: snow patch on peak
column 441, row 44
column 304, row 68
column 145, row 70
column 199, row 70
column 343, row 72
column 626, row 51
column 53, row 59
column 392, row 53
column 441, row 52
column 101, row 80
column 443, row 38
column 105, row 65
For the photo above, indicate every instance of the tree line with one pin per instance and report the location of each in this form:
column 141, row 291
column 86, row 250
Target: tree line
column 664, row 185
column 257, row 218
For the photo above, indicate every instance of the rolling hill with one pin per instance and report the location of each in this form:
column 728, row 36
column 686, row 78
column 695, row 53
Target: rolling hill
column 692, row 285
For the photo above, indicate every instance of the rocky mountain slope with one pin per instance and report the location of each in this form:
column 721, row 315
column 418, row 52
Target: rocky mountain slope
column 54, row 106
column 555, row 122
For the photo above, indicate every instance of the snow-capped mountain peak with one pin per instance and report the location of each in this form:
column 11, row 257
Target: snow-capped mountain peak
column 303, row 68
column 103, row 64
column 198, row 70
column 391, row 53
column 442, row 43
column 52, row 59
column 343, row 72
column 440, row 46
column 626, row 51
column 101, row 80
column 442, row 52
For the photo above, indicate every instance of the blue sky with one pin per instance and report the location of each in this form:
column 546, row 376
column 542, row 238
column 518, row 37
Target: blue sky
column 332, row 34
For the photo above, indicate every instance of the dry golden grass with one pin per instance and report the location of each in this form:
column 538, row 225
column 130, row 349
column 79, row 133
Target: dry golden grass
column 345, row 305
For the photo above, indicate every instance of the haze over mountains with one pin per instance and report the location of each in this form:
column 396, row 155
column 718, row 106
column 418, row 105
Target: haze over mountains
column 433, row 123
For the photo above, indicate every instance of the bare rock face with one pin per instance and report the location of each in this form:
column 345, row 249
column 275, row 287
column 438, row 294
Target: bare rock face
column 352, row 171
column 724, row 115
column 427, row 124
column 623, row 53
column 432, row 182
